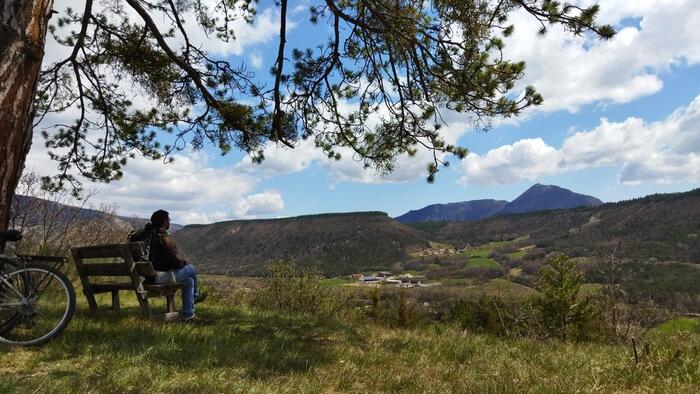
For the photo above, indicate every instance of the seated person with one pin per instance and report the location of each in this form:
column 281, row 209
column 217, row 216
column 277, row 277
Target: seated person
column 163, row 255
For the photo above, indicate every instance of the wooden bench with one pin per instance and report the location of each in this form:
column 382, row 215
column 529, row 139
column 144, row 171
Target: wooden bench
column 128, row 263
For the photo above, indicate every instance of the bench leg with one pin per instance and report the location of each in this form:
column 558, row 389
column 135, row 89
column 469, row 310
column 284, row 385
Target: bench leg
column 171, row 313
column 91, row 301
column 170, row 299
column 115, row 300
column 143, row 303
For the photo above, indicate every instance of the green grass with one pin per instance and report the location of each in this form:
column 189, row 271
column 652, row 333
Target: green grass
column 517, row 255
column 468, row 288
column 337, row 282
column 680, row 324
column 485, row 250
column 457, row 281
column 506, row 289
column 249, row 350
column 482, row 262
column 590, row 289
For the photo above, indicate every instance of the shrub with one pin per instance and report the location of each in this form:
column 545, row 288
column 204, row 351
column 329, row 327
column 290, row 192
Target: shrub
column 531, row 268
column 488, row 314
column 296, row 290
column 404, row 309
column 397, row 308
column 375, row 298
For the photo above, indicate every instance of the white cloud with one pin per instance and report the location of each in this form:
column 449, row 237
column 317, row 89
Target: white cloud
column 197, row 217
column 575, row 71
column 264, row 203
column 664, row 152
column 525, row 159
column 256, row 59
column 264, row 29
column 281, row 160
column 191, row 189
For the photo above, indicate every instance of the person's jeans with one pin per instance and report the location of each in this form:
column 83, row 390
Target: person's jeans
column 188, row 276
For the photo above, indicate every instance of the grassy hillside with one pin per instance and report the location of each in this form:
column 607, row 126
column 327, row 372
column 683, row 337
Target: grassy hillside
column 333, row 243
column 250, row 350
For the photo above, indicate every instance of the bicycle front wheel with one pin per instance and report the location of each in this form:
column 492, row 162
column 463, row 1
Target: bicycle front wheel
column 36, row 305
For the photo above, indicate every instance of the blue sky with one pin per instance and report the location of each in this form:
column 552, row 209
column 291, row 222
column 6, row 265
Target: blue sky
column 621, row 119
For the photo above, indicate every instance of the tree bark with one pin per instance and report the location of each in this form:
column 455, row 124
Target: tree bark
column 23, row 25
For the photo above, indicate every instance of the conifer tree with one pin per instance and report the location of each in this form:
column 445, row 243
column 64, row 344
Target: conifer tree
column 563, row 312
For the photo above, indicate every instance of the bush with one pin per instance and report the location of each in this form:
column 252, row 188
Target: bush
column 404, row 309
column 375, row 297
column 485, row 315
column 295, row 290
column 485, row 273
column 394, row 307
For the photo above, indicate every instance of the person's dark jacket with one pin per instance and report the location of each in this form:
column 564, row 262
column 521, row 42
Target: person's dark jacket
column 164, row 252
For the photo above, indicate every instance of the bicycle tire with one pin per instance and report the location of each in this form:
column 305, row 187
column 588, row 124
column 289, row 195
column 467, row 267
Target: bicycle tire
column 65, row 319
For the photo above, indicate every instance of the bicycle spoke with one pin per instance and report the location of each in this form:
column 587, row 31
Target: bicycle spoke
column 7, row 284
column 8, row 324
column 39, row 290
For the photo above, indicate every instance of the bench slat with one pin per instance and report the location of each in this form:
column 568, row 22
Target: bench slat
column 111, row 269
column 165, row 286
column 108, row 287
column 113, row 250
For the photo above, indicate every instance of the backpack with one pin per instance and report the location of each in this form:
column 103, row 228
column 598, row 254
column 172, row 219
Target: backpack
column 144, row 235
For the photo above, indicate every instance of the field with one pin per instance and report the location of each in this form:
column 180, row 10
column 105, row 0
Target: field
column 482, row 262
column 479, row 256
column 246, row 349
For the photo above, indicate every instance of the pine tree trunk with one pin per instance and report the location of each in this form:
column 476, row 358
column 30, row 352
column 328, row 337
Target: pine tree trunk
column 23, row 25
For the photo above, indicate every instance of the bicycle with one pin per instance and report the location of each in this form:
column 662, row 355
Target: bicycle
column 37, row 301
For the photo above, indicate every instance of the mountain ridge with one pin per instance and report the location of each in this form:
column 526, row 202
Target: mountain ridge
column 538, row 197
column 455, row 211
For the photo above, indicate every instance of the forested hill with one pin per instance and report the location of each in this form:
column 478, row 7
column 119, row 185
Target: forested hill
column 334, row 243
column 662, row 226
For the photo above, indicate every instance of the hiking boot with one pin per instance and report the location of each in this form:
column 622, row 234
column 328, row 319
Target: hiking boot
column 197, row 321
column 201, row 297
column 188, row 318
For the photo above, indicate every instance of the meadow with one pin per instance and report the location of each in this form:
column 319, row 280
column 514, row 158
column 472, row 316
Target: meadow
column 246, row 348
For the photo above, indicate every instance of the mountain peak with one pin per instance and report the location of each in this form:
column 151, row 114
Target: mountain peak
column 539, row 186
column 541, row 197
